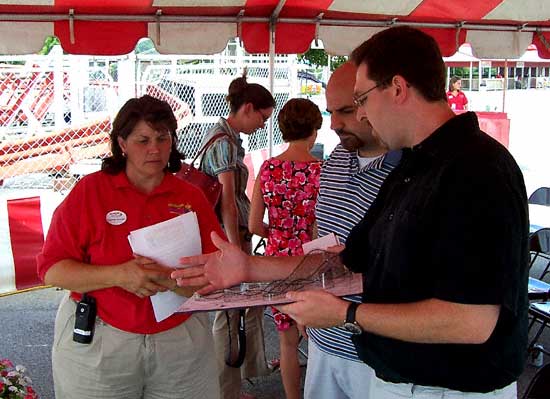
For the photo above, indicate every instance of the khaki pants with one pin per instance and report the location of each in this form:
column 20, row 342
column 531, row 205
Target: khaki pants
column 255, row 364
column 174, row 364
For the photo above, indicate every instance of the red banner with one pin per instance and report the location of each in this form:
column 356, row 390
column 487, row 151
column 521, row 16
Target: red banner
column 27, row 239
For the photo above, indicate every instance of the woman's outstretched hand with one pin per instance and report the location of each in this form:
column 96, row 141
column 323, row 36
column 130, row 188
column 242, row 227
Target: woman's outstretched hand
column 221, row 269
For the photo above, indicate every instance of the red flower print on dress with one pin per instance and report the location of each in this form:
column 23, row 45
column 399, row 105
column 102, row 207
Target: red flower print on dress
column 284, row 213
column 287, row 204
column 289, row 192
column 288, row 223
column 276, row 174
column 294, row 243
column 276, row 234
column 276, row 200
column 268, row 186
column 265, row 174
column 282, row 320
column 272, row 212
column 303, row 236
column 302, row 224
column 300, row 210
column 309, row 191
column 287, row 170
column 279, row 189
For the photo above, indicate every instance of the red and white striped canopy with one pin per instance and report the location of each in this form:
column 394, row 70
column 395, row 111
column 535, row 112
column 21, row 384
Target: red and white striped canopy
column 495, row 28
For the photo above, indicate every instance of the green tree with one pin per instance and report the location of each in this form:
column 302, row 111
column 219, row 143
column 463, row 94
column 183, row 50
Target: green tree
column 48, row 45
column 314, row 57
column 319, row 58
column 336, row 61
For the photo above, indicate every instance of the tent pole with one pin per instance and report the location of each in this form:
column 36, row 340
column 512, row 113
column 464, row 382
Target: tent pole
column 471, row 87
column 272, row 24
column 479, row 75
column 505, row 85
column 271, row 85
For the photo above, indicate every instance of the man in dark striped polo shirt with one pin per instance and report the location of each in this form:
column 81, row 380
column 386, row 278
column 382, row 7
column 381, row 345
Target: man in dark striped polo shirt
column 350, row 181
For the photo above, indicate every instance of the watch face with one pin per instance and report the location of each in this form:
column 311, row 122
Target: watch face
column 353, row 328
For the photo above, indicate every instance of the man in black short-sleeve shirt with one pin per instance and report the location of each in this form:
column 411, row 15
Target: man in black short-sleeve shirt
column 449, row 223
column 443, row 249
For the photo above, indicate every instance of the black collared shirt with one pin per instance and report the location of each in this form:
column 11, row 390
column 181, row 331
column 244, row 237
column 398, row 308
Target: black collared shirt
column 450, row 222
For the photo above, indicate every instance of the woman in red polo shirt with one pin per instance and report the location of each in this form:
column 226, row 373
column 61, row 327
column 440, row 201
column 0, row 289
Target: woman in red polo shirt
column 455, row 97
column 131, row 355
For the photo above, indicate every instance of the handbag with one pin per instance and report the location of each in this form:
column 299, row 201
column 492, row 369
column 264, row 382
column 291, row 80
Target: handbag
column 209, row 185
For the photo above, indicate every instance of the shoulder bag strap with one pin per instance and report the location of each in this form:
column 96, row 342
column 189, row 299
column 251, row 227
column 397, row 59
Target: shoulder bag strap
column 208, row 144
column 230, row 358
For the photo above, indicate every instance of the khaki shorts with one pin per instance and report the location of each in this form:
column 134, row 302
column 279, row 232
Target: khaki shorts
column 175, row 364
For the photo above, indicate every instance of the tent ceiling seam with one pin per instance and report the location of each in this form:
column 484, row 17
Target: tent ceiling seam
column 543, row 40
column 275, row 14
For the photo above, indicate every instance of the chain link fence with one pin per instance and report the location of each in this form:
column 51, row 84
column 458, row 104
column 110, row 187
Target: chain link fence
column 56, row 110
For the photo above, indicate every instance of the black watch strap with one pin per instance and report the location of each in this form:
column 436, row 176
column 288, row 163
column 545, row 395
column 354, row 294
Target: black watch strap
column 350, row 313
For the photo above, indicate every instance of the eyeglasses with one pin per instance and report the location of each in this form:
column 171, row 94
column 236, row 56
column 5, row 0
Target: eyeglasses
column 361, row 99
column 264, row 117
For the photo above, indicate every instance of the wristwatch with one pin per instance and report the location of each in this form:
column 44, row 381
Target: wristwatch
column 350, row 323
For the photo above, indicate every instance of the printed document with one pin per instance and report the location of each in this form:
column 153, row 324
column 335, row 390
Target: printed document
column 166, row 243
column 335, row 281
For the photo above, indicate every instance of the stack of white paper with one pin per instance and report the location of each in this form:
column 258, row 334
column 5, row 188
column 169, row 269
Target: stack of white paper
column 166, row 243
column 322, row 243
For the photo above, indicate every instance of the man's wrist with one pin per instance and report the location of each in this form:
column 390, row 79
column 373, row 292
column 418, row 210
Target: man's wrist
column 350, row 320
column 343, row 311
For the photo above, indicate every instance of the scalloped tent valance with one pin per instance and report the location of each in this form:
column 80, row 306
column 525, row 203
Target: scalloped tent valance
column 494, row 28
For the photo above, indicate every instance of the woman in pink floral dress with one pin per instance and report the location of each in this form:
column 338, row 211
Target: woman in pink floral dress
column 287, row 186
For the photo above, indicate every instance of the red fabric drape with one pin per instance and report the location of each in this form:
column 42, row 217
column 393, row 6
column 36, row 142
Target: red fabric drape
column 27, row 239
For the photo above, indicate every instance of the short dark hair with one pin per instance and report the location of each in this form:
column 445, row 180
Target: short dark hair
column 241, row 92
column 298, row 118
column 408, row 52
column 154, row 112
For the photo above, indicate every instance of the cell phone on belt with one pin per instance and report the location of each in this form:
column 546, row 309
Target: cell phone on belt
column 84, row 321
